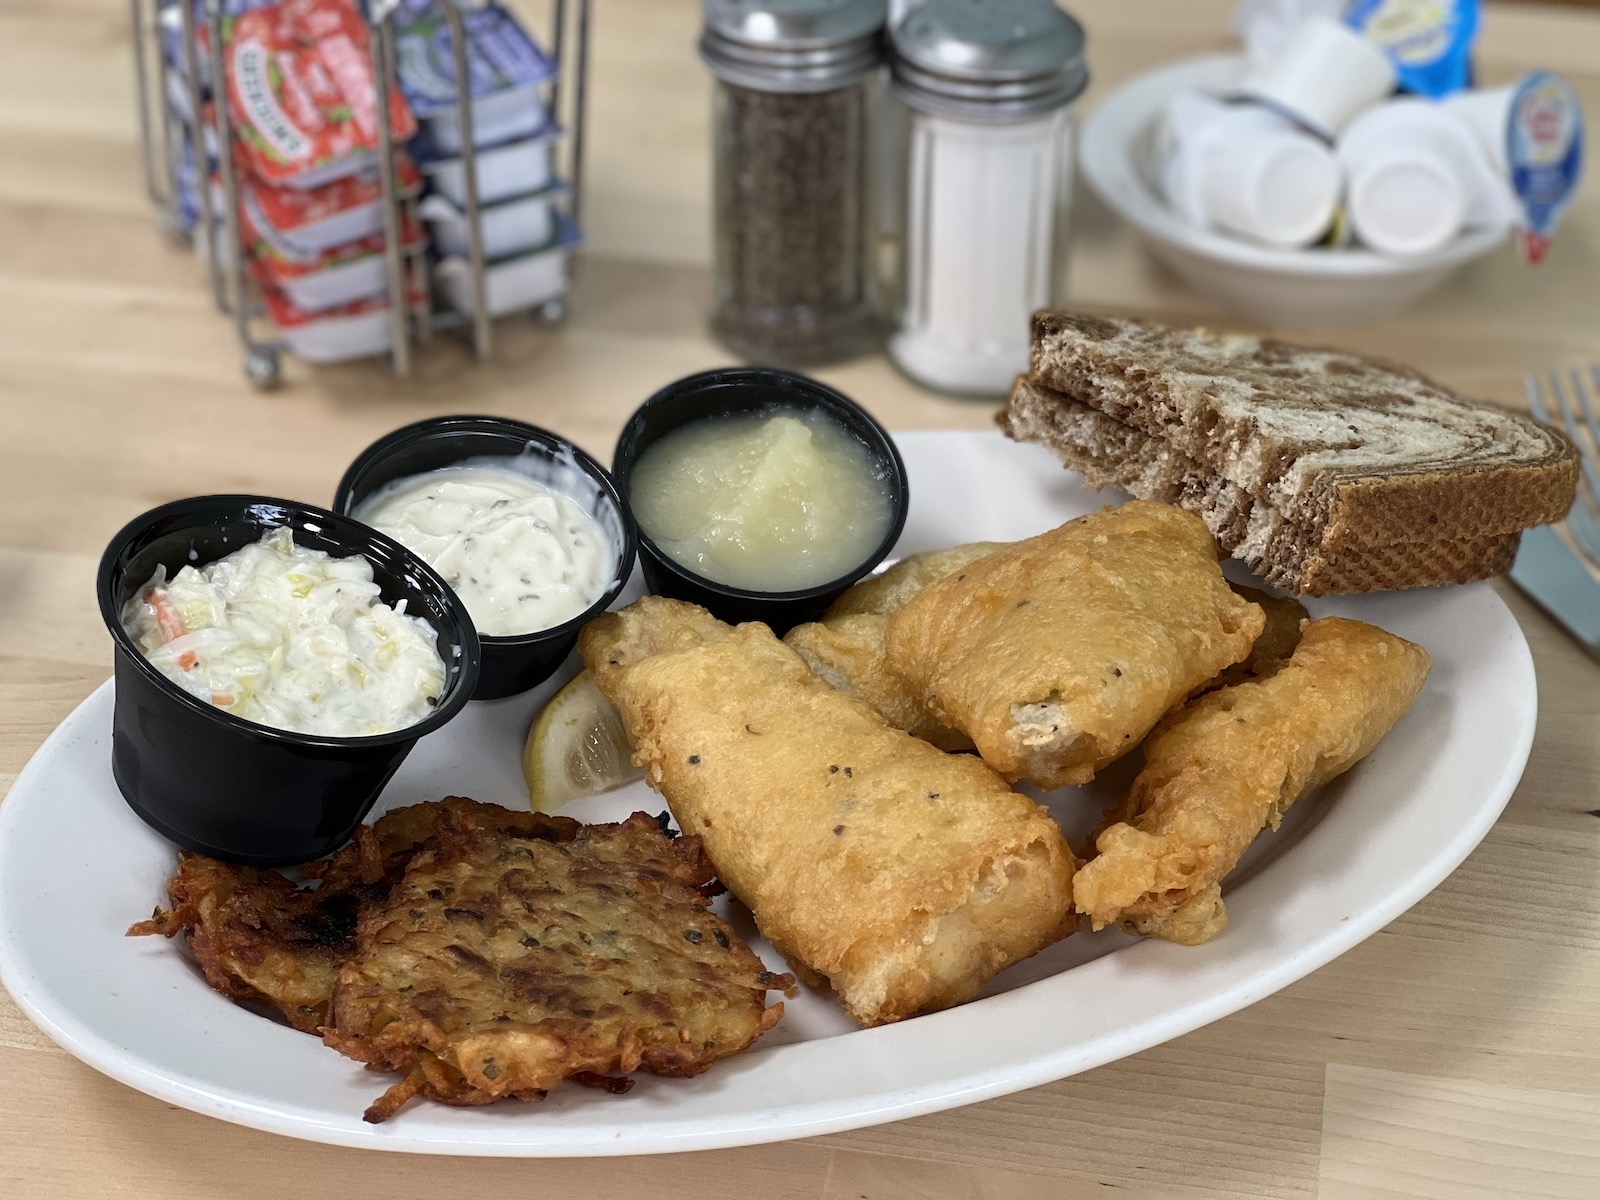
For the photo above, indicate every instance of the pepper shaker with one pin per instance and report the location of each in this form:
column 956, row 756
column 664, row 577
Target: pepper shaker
column 796, row 91
column 989, row 87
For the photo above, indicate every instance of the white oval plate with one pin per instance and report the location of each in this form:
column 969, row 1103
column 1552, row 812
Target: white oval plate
column 76, row 867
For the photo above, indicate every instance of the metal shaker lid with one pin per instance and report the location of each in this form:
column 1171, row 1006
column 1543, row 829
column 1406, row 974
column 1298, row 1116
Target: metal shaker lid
column 989, row 59
column 793, row 45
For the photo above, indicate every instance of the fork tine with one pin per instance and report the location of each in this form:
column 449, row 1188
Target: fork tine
column 1569, row 421
column 1588, row 405
column 1536, row 399
column 1585, row 531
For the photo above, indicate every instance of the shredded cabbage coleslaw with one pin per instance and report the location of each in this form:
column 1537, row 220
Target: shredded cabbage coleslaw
column 289, row 637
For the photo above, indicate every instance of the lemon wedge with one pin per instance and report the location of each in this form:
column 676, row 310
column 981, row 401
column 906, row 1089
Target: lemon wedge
column 576, row 748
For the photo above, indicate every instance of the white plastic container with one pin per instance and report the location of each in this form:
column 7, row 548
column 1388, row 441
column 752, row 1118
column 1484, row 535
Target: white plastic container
column 1246, row 169
column 1487, row 115
column 337, row 286
column 1311, row 289
column 497, row 117
column 512, row 169
column 510, row 285
column 989, row 91
column 509, row 227
column 1416, row 177
column 334, row 215
column 1326, row 74
column 359, row 330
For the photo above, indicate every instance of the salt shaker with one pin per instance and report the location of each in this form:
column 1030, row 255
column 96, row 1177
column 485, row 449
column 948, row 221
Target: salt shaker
column 794, row 175
column 989, row 87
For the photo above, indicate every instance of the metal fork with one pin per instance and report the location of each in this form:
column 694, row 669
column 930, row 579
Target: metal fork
column 1547, row 569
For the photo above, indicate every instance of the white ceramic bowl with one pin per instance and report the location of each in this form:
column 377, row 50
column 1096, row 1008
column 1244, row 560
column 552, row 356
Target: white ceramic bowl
column 1319, row 288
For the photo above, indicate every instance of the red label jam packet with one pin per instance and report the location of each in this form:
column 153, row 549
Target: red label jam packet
column 302, row 92
column 289, row 209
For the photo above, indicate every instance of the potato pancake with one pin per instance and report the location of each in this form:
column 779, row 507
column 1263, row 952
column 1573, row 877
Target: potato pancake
column 259, row 937
column 506, row 961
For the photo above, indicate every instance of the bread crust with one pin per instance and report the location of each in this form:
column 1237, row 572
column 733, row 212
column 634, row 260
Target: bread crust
column 1163, row 413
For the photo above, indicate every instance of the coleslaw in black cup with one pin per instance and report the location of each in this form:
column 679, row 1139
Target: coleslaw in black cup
column 228, row 787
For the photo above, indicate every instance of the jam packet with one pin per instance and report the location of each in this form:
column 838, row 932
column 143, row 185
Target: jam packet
column 301, row 89
column 323, row 217
column 506, row 73
column 500, row 55
column 360, row 329
column 1430, row 41
column 313, row 280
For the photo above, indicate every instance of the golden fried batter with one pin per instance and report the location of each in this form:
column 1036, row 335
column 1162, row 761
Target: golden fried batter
column 1273, row 645
column 1055, row 655
column 848, row 652
column 905, row 876
column 846, row 647
column 888, row 592
column 1226, row 766
column 505, row 962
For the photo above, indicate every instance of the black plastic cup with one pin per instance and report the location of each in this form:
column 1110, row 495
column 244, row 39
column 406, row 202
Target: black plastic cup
column 754, row 389
column 230, row 788
column 515, row 663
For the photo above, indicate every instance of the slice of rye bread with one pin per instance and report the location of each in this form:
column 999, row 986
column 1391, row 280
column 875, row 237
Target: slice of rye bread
column 1323, row 456
column 1111, row 454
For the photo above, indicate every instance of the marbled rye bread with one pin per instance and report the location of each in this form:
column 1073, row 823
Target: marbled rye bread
column 1324, row 471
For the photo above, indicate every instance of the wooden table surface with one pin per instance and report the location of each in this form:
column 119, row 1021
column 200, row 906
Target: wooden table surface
column 1456, row 1053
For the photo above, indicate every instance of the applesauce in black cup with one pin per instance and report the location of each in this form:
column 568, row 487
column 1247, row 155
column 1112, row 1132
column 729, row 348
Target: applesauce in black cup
column 759, row 494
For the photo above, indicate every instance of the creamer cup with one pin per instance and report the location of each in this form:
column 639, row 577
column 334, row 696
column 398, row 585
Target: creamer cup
column 1429, row 41
column 1326, row 74
column 1486, row 115
column 1247, row 170
column 1265, row 26
column 1544, row 153
column 1415, row 178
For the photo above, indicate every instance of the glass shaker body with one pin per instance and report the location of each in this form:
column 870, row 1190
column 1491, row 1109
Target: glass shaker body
column 985, row 208
column 796, row 224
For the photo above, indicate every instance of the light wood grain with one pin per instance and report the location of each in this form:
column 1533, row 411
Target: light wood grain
column 1388, row 1134
column 1456, row 1053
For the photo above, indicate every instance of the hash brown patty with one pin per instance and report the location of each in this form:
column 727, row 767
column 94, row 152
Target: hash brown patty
column 506, row 961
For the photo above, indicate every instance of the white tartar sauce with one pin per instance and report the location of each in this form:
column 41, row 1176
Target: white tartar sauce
column 522, row 556
column 289, row 637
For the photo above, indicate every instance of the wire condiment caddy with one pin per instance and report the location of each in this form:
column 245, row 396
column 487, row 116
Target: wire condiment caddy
column 181, row 72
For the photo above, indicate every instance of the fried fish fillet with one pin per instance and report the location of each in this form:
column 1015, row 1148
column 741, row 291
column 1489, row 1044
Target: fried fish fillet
column 506, row 961
column 905, row 876
column 888, row 592
column 1056, row 655
column 846, row 647
column 1275, row 643
column 1226, row 766
column 259, row 937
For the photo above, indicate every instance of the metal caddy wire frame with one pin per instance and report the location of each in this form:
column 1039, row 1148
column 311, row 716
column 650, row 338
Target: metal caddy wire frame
column 161, row 143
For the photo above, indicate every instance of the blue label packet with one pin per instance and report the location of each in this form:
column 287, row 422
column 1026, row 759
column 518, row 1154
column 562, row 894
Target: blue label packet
column 500, row 55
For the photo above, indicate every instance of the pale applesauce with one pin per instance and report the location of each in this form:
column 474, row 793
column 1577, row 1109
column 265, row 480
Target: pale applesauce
column 774, row 501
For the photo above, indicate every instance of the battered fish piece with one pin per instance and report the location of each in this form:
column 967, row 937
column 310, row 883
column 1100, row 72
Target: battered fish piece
column 1057, row 654
column 504, row 962
column 846, row 647
column 904, row 876
column 1273, row 645
column 1226, row 766
column 889, row 591
column 258, row 937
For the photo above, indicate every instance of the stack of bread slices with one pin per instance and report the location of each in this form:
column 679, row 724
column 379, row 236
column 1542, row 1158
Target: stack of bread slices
column 1323, row 471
